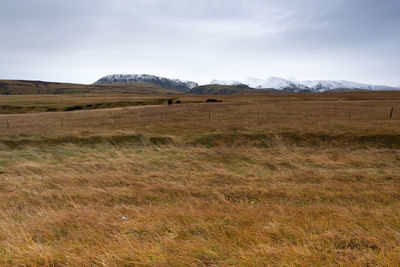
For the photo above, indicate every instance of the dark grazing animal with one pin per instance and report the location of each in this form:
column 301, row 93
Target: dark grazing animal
column 212, row 100
column 169, row 102
column 177, row 102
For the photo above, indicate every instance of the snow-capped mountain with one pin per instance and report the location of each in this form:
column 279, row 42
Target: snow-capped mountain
column 145, row 78
column 294, row 85
column 225, row 82
column 275, row 83
column 288, row 85
column 321, row 85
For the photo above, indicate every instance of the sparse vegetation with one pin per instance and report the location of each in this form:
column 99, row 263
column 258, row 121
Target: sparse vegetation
column 258, row 180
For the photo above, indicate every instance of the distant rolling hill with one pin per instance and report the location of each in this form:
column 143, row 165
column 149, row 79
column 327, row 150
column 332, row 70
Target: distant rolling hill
column 21, row 87
column 217, row 89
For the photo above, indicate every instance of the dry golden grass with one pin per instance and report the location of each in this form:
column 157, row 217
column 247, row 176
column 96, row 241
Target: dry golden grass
column 19, row 104
column 274, row 180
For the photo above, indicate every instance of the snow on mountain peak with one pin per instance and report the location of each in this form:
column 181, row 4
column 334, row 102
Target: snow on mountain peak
column 277, row 83
column 309, row 85
column 225, row 82
column 160, row 81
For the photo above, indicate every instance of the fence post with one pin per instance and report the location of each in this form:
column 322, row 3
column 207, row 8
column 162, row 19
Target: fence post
column 391, row 113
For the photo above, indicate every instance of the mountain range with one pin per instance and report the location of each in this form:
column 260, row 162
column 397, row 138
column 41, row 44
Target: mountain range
column 165, row 83
column 150, row 84
column 299, row 86
column 269, row 84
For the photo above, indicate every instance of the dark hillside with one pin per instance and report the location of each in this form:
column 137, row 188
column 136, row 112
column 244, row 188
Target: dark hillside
column 19, row 87
column 216, row 89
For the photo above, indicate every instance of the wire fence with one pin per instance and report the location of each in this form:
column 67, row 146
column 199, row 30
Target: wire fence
column 235, row 112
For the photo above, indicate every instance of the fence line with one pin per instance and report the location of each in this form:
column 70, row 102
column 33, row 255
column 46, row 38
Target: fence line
column 214, row 112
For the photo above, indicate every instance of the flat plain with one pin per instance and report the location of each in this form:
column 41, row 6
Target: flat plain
column 257, row 180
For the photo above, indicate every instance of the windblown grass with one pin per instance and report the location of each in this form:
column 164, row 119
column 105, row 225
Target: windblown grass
column 262, row 183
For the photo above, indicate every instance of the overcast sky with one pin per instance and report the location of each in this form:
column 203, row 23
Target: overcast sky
column 201, row 40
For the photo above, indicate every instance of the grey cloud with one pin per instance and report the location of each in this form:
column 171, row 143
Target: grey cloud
column 201, row 40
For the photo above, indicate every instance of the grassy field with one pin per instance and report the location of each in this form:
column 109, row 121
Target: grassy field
column 19, row 104
column 257, row 180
